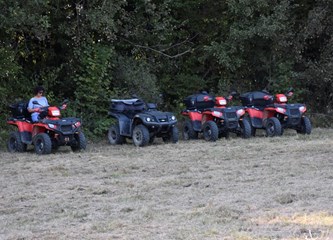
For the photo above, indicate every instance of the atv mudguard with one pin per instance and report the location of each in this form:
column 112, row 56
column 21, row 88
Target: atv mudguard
column 195, row 118
column 256, row 117
column 124, row 122
column 24, row 128
column 196, row 125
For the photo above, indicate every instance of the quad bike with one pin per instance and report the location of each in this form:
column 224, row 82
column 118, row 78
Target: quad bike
column 274, row 114
column 140, row 121
column 48, row 133
column 211, row 116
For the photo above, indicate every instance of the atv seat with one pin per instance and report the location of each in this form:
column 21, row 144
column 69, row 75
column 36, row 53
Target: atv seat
column 256, row 99
column 125, row 101
column 127, row 105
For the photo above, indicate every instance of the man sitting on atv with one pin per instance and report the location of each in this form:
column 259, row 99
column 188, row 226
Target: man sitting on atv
column 42, row 102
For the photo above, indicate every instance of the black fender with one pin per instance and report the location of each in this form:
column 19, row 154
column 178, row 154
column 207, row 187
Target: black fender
column 196, row 125
column 125, row 123
column 257, row 122
column 26, row 137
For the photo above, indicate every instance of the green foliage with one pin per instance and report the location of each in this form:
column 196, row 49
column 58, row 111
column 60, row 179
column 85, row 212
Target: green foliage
column 134, row 77
column 92, row 85
column 315, row 56
column 251, row 48
column 9, row 74
column 180, row 86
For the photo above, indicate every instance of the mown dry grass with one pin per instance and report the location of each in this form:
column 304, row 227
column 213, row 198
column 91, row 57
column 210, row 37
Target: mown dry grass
column 263, row 188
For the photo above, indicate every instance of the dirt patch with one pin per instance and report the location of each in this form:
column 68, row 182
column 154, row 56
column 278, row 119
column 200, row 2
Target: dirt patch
column 262, row 188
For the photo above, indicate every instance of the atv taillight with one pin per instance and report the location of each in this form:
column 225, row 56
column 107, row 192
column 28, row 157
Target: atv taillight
column 281, row 110
column 302, row 109
column 240, row 112
column 53, row 112
column 77, row 124
column 267, row 97
column 222, row 102
column 281, row 98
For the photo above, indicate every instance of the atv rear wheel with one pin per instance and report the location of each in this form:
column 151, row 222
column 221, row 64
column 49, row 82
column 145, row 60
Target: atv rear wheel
column 173, row 135
column 42, row 143
column 15, row 144
column 245, row 128
column 114, row 135
column 140, row 135
column 81, row 142
column 210, row 131
column 306, row 126
column 188, row 131
column 273, row 127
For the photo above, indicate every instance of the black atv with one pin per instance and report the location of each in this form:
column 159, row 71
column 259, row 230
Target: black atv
column 140, row 121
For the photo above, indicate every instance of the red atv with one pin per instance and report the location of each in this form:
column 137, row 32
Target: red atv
column 48, row 133
column 274, row 114
column 211, row 116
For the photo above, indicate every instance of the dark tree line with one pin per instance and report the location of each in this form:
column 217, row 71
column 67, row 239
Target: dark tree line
column 91, row 51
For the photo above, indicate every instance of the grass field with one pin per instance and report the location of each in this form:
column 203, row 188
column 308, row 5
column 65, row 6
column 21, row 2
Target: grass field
column 262, row 188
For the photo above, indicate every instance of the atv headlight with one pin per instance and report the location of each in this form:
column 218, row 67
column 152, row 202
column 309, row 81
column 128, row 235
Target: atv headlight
column 150, row 119
column 302, row 109
column 173, row 118
column 240, row 112
column 52, row 126
column 281, row 110
column 217, row 114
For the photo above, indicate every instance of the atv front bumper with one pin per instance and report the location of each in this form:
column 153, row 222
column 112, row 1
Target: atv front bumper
column 159, row 127
column 292, row 117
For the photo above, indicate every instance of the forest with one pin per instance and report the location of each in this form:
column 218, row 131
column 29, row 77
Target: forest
column 90, row 51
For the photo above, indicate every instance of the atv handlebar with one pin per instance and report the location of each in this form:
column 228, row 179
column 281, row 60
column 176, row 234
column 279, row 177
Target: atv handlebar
column 290, row 92
column 62, row 106
column 148, row 106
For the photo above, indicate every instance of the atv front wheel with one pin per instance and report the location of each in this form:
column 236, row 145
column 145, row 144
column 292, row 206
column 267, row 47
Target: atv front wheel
column 245, row 128
column 273, row 127
column 114, row 135
column 173, row 135
column 188, row 131
column 253, row 130
column 15, row 144
column 210, row 131
column 81, row 142
column 306, row 126
column 42, row 143
column 140, row 135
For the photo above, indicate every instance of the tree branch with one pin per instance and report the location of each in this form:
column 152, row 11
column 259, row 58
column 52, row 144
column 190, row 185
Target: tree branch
column 162, row 51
